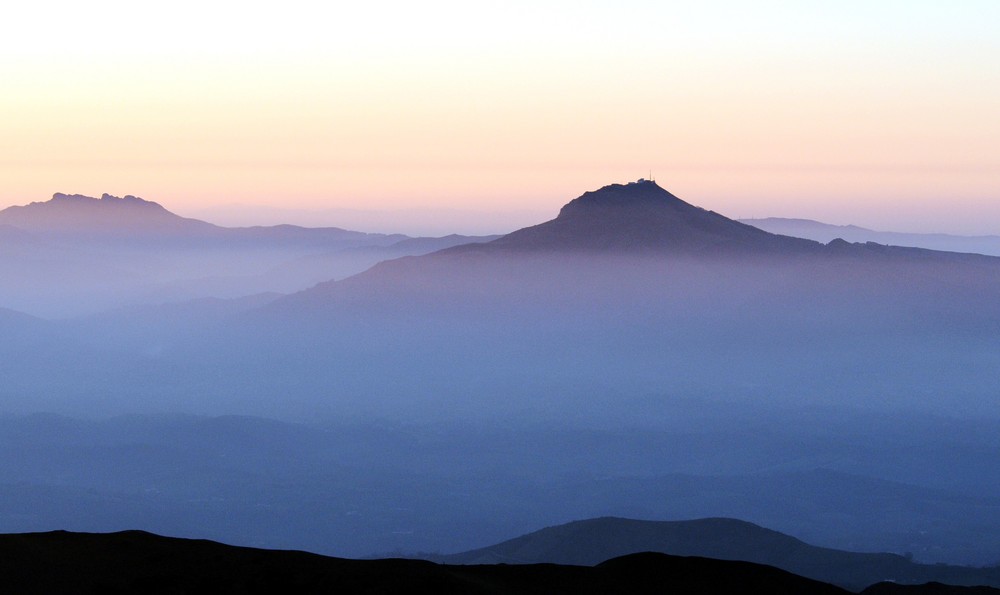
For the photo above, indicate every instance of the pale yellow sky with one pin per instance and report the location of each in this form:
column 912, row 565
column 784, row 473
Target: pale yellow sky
column 875, row 113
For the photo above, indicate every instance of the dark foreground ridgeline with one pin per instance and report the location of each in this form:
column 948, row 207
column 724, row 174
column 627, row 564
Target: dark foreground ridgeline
column 588, row 542
column 139, row 562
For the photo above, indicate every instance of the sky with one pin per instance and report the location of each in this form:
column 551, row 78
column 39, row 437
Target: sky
column 486, row 116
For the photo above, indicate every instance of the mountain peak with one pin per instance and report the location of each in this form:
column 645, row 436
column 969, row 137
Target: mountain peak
column 81, row 214
column 106, row 199
column 640, row 194
column 643, row 217
column 629, row 190
column 61, row 197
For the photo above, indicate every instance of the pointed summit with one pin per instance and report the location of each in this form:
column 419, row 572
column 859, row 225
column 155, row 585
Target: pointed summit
column 643, row 217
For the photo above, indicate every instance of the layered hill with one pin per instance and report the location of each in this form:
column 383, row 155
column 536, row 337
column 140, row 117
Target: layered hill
column 639, row 233
column 134, row 561
column 780, row 337
column 76, row 254
column 825, row 232
column 17, row 326
column 635, row 291
column 82, row 218
column 457, row 486
column 591, row 541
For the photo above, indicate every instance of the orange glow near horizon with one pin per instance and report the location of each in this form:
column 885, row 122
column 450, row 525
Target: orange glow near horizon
column 849, row 114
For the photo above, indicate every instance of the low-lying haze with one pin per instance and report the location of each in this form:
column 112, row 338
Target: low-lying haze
column 635, row 356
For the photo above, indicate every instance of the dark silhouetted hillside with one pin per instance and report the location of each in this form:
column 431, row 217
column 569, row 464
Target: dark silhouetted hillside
column 636, row 257
column 933, row 588
column 643, row 217
column 137, row 562
column 590, row 541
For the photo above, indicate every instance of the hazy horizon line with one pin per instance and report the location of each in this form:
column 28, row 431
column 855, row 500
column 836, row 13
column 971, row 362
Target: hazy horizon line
column 446, row 220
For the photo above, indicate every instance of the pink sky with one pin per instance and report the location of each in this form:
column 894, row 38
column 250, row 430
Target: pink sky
column 880, row 114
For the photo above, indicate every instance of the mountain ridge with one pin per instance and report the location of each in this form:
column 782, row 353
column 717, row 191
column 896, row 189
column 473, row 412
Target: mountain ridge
column 826, row 232
column 78, row 216
column 76, row 254
column 81, row 214
column 645, row 223
column 641, row 216
column 590, row 541
column 136, row 561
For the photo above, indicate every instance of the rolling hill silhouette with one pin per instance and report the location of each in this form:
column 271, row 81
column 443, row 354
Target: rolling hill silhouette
column 591, row 541
column 134, row 561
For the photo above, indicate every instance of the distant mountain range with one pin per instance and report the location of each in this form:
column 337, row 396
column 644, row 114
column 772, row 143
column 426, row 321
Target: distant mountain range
column 641, row 217
column 82, row 219
column 825, row 232
column 620, row 270
column 654, row 229
column 627, row 277
column 111, row 218
column 84, row 215
column 589, row 542
column 76, row 254
column 635, row 356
